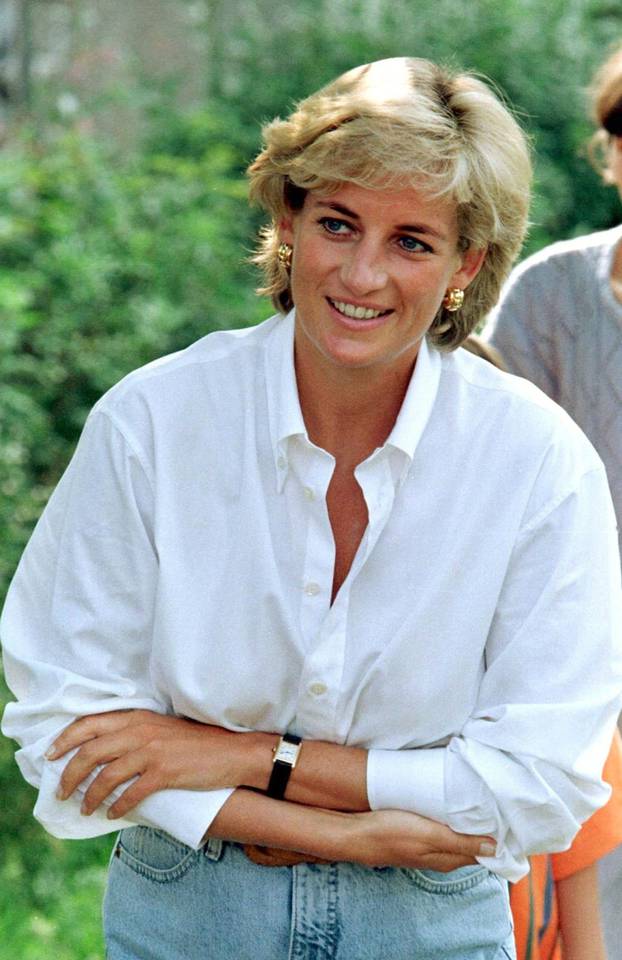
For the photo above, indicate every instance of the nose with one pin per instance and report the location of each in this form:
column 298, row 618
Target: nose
column 363, row 269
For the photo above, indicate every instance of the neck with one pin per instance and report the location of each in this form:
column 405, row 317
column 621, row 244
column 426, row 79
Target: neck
column 350, row 412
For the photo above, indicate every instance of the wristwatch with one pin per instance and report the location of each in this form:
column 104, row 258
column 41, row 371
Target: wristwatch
column 284, row 760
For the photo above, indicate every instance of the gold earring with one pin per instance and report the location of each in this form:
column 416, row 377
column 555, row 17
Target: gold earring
column 284, row 255
column 453, row 299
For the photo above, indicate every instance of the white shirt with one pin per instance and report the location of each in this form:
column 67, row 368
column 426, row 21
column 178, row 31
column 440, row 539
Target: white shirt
column 185, row 561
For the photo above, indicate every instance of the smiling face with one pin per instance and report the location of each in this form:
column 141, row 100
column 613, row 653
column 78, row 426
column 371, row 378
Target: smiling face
column 370, row 269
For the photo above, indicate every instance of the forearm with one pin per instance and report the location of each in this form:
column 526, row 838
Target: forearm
column 151, row 753
column 326, row 775
column 350, row 778
column 579, row 916
column 249, row 817
column 385, row 838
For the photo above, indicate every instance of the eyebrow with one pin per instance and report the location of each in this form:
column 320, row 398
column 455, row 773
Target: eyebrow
column 422, row 228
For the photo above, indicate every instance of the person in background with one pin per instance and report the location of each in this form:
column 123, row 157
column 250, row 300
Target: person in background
column 266, row 605
column 556, row 907
column 559, row 323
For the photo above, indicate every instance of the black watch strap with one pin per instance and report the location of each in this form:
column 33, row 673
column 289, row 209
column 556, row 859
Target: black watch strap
column 285, row 756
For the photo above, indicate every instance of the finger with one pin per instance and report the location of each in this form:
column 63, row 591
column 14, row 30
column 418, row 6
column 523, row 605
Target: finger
column 86, row 728
column 477, row 846
column 112, row 776
column 130, row 798
column 472, row 847
column 445, row 862
column 446, row 840
column 93, row 754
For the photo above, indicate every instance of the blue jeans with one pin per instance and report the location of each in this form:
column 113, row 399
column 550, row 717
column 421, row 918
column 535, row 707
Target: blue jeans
column 165, row 901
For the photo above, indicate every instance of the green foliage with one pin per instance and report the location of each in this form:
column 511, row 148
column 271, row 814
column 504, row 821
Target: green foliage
column 106, row 264
column 50, row 890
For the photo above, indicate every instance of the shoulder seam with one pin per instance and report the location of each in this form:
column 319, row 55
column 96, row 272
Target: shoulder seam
column 499, row 389
column 124, row 385
column 130, row 442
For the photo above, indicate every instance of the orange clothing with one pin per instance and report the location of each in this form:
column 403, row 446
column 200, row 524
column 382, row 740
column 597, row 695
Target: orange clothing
column 533, row 899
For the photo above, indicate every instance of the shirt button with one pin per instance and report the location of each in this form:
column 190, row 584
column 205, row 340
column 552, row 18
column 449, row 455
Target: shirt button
column 312, row 589
column 309, row 494
column 281, row 463
column 317, row 689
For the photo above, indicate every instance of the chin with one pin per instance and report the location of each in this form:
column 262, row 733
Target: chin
column 353, row 356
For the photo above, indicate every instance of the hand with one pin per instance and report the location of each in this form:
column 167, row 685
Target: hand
column 155, row 751
column 396, row 838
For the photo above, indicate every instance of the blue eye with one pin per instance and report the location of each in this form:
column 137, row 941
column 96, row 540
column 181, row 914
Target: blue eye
column 412, row 245
column 332, row 225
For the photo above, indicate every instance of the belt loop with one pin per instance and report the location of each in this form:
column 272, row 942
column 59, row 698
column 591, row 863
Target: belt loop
column 213, row 848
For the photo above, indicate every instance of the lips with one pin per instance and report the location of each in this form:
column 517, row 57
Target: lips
column 354, row 312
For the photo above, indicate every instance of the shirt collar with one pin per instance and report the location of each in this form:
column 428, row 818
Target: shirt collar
column 286, row 418
column 284, row 413
column 418, row 402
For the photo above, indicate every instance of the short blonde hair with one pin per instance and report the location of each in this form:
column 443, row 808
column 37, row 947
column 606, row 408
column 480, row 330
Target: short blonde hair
column 396, row 121
column 606, row 97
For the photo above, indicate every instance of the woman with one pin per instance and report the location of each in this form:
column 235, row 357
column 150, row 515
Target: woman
column 275, row 531
column 559, row 323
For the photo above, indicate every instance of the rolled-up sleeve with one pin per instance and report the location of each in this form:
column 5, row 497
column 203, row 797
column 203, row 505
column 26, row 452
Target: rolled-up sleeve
column 526, row 766
column 77, row 630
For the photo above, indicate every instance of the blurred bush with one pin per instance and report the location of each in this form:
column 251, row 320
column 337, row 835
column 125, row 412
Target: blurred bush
column 50, row 890
column 105, row 264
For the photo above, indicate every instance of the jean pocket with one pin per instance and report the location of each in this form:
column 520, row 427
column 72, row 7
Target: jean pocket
column 455, row 881
column 154, row 854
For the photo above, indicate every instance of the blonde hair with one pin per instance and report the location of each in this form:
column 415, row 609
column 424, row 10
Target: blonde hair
column 606, row 97
column 396, row 121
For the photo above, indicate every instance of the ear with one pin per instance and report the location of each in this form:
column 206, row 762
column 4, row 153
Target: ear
column 286, row 230
column 472, row 262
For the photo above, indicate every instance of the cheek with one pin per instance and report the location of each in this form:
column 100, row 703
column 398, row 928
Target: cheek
column 315, row 263
column 428, row 290
column 615, row 161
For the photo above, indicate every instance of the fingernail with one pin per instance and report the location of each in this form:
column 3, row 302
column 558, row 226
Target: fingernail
column 487, row 850
column 84, row 810
column 111, row 815
column 50, row 753
column 60, row 793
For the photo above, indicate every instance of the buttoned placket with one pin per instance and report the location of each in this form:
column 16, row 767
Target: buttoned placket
column 310, row 471
column 324, row 627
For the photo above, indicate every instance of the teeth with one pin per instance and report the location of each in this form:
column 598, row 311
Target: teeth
column 357, row 313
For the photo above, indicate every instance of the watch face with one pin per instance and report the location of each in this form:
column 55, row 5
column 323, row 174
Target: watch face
column 287, row 753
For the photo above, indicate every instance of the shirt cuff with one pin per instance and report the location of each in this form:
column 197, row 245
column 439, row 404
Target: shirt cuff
column 411, row 780
column 184, row 814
